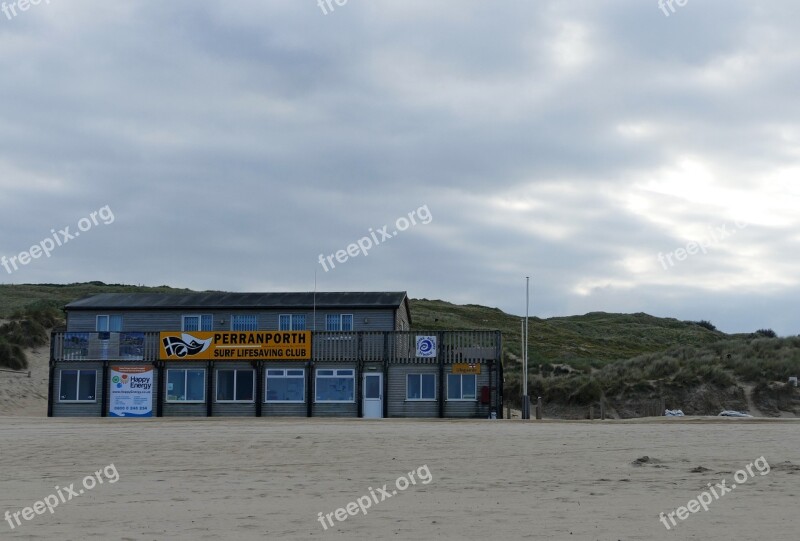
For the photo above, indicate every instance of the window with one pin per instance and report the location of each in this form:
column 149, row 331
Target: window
column 78, row 386
column 339, row 322
column 421, row 387
column 244, row 323
column 285, row 385
column 109, row 324
column 292, row 322
column 203, row 322
column 335, row 386
column 235, row 385
column 186, row 385
column 461, row 386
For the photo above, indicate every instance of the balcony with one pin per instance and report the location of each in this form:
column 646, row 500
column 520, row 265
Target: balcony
column 389, row 346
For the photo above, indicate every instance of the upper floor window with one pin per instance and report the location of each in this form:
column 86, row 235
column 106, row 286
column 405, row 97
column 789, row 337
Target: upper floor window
column 339, row 322
column 109, row 324
column 198, row 322
column 247, row 322
column 292, row 322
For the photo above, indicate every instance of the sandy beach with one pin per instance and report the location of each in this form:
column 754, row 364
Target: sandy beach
column 269, row 479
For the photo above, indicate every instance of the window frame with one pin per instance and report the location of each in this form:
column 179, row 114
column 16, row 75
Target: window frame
column 186, row 385
column 340, row 323
column 461, row 388
column 77, row 386
column 235, row 388
column 422, row 398
column 336, row 375
column 199, row 322
column 253, row 324
column 292, row 325
column 109, row 318
column 284, row 376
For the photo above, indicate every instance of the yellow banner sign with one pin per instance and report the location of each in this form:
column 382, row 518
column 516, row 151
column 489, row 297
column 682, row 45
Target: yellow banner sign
column 466, row 368
column 236, row 346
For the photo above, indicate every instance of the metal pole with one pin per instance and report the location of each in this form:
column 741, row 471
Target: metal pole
column 525, row 397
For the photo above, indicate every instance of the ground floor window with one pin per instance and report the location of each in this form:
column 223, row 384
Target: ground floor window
column 236, row 385
column 335, row 385
column 461, row 387
column 186, row 385
column 421, row 387
column 286, row 385
column 78, row 386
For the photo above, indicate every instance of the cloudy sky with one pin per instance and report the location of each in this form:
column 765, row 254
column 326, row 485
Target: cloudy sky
column 629, row 158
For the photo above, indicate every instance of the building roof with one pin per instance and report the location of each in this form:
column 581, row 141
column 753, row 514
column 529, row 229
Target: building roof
column 210, row 300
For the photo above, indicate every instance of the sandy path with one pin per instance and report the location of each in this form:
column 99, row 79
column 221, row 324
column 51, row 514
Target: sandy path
column 268, row 479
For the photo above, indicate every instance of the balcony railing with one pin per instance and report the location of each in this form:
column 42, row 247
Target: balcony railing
column 390, row 346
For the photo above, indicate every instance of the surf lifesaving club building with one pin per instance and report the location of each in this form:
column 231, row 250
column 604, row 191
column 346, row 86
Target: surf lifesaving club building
column 267, row 354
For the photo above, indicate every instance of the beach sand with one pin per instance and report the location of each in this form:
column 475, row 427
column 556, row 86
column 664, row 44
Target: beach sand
column 269, row 479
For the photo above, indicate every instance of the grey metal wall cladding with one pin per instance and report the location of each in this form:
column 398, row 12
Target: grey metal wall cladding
column 398, row 405
column 277, row 409
column 336, row 409
column 469, row 408
column 171, row 320
column 236, row 409
column 402, row 320
column 68, row 409
column 178, row 409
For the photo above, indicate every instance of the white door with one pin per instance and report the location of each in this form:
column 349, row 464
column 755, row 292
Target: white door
column 373, row 395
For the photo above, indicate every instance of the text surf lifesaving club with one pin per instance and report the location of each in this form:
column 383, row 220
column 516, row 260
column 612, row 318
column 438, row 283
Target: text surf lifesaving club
column 257, row 345
column 131, row 391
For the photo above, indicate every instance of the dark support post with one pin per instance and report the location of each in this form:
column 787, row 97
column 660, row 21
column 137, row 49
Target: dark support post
column 104, row 401
column 310, row 389
column 602, row 411
column 51, row 382
column 440, row 359
column 210, row 390
column 359, row 375
column 258, row 365
column 386, row 373
column 162, row 385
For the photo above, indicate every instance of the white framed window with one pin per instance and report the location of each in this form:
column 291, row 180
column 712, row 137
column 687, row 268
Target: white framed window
column 421, row 387
column 197, row 322
column 78, row 386
column 285, row 385
column 292, row 322
column 186, row 385
column 108, row 323
column 244, row 322
column 236, row 385
column 462, row 387
column 335, row 385
column 339, row 322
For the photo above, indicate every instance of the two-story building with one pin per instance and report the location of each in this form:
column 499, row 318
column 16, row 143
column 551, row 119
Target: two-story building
column 267, row 354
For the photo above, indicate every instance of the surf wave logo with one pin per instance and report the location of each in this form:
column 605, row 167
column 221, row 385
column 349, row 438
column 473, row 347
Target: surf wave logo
column 426, row 346
column 185, row 346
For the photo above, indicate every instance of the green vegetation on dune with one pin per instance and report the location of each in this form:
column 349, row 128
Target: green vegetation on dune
column 591, row 340
column 19, row 297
